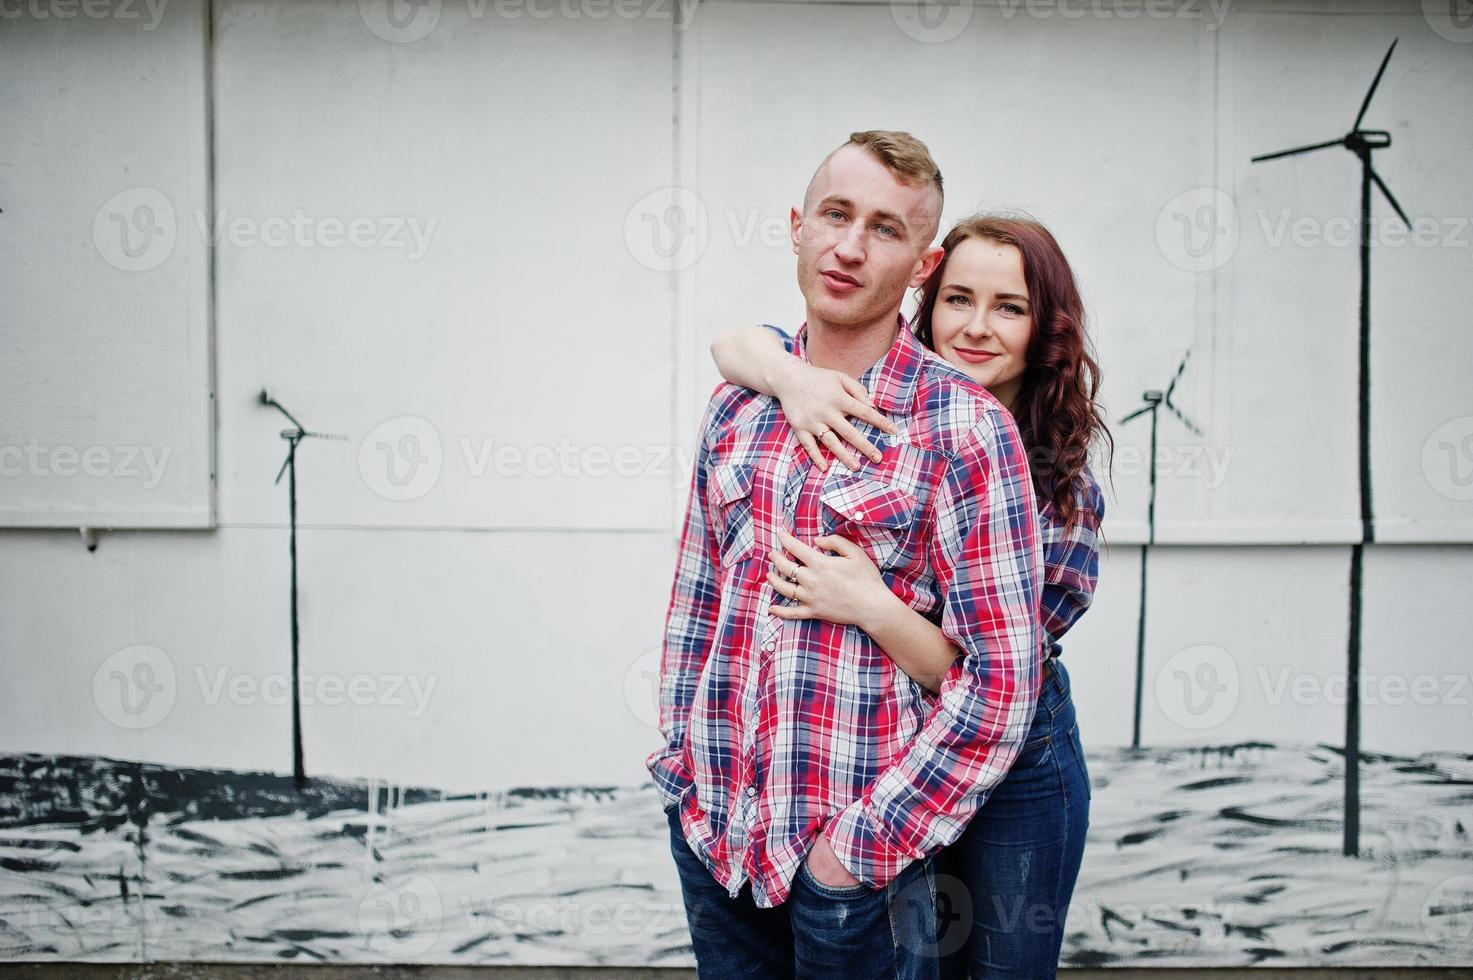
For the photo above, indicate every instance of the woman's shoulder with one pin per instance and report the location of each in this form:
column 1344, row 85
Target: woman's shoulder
column 786, row 337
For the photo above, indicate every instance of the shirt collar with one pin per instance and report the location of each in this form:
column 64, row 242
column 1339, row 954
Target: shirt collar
column 892, row 379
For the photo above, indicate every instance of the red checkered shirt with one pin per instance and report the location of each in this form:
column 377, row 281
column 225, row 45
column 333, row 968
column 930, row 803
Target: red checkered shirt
column 779, row 730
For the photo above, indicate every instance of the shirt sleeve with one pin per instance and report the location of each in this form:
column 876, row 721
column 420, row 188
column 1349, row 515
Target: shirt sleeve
column 1071, row 558
column 690, row 623
column 984, row 554
column 786, row 337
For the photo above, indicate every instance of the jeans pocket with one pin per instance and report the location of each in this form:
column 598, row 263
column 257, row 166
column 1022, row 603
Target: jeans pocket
column 840, row 892
column 1036, row 751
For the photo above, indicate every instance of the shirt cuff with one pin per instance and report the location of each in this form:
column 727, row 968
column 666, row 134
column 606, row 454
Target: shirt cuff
column 863, row 846
column 671, row 777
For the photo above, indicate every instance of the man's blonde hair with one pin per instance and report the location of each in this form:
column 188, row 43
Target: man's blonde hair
column 905, row 156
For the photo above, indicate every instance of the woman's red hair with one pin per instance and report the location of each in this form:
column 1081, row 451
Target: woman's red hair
column 1055, row 407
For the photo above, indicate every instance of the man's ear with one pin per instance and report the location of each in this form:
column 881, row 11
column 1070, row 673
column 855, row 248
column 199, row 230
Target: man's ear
column 929, row 260
column 795, row 226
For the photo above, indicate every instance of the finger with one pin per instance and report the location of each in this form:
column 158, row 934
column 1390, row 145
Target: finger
column 792, row 612
column 853, row 436
column 781, row 585
column 869, row 413
column 811, row 445
column 873, row 416
column 839, row 545
column 835, row 444
column 784, row 567
column 799, row 550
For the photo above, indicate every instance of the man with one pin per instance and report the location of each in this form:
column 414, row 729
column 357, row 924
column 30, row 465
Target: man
column 806, row 779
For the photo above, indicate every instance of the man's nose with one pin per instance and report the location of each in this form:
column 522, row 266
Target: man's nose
column 851, row 247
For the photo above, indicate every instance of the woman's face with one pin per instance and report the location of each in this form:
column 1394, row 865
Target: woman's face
column 983, row 317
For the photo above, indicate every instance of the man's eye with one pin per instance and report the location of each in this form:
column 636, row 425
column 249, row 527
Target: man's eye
column 886, row 230
column 834, row 215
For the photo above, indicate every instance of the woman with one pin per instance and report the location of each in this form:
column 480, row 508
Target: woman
column 1004, row 308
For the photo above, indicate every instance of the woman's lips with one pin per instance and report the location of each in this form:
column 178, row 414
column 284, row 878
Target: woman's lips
column 974, row 356
column 839, row 283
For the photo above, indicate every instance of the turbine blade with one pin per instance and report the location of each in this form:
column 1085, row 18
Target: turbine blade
column 1183, row 419
column 1139, row 411
column 1179, row 369
column 1376, row 81
column 1299, row 149
column 1376, row 178
column 283, row 469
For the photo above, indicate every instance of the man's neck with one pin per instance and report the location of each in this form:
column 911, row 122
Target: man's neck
column 853, row 349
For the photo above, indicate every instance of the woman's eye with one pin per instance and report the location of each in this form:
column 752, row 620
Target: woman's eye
column 1014, row 309
column 957, row 299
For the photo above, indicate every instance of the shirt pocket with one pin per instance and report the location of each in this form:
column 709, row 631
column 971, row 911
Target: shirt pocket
column 879, row 517
column 731, row 510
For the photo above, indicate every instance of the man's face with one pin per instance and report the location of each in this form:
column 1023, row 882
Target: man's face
column 862, row 238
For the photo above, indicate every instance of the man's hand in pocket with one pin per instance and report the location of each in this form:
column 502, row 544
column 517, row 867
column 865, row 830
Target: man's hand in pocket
column 825, row 866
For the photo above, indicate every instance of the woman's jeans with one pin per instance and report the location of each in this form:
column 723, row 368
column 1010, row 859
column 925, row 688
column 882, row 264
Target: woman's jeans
column 1003, row 888
column 819, row 933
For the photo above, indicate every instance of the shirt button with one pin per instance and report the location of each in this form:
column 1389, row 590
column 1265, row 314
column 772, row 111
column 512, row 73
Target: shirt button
column 751, row 792
column 859, row 515
column 769, row 646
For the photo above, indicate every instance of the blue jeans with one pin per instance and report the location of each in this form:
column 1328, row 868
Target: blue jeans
column 1004, row 886
column 819, row 933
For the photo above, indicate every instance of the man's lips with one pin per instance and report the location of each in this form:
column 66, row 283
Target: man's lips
column 840, row 283
column 974, row 356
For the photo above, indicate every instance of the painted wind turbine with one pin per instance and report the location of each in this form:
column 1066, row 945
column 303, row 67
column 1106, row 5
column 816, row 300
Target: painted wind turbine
column 1154, row 400
column 294, row 436
column 1361, row 142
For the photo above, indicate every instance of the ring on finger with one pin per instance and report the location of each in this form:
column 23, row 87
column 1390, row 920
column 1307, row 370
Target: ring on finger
column 823, row 432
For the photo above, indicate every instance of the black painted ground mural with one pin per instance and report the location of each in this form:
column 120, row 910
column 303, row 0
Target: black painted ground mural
column 1227, row 855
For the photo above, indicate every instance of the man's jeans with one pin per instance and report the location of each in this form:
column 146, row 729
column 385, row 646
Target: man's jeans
column 819, row 933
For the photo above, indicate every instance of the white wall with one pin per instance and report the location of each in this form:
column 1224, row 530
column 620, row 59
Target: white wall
column 542, row 311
